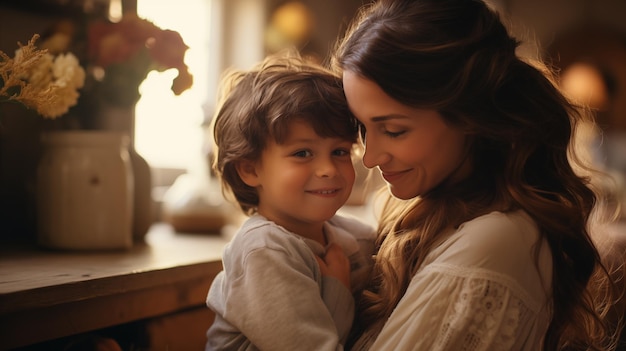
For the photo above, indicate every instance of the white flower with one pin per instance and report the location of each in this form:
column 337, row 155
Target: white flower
column 67, row 70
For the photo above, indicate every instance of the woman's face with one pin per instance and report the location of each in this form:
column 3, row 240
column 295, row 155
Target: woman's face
column 414, row 149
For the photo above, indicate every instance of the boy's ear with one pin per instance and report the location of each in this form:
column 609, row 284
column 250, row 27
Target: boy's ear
column 247, row 172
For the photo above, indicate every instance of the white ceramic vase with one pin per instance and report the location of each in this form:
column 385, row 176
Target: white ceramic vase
column 85, row 191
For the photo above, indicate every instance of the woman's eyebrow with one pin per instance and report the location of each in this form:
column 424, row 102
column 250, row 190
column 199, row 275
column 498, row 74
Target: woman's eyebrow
column 388, row 117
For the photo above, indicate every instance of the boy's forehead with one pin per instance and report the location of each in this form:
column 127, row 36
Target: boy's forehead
column 299, row 130
column 296, row 128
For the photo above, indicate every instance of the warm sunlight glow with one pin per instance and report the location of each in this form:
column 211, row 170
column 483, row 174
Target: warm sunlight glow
column 115, row 10
column 168, row 131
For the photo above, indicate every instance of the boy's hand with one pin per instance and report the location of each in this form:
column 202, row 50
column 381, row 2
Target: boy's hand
column 335, row 264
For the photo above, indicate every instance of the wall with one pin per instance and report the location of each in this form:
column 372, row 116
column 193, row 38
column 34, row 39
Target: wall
column 570, row 31
column 239, row 33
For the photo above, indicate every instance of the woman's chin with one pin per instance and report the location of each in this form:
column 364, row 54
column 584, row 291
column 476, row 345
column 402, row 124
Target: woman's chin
column 402, row 194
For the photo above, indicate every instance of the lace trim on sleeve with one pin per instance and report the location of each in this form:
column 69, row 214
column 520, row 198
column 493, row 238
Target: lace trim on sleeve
column 486, row 314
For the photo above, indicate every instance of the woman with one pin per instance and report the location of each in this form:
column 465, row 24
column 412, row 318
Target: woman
column 484, row 243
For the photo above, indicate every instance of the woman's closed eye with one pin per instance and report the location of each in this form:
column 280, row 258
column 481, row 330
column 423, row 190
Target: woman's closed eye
column 394, row 134
column 391, row 133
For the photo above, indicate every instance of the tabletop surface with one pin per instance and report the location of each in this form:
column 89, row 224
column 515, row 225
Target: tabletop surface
column 33, row 277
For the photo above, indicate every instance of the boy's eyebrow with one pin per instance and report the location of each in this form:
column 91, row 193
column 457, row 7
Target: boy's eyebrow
column 299, row 140
column 307, row 140
column 303, row 140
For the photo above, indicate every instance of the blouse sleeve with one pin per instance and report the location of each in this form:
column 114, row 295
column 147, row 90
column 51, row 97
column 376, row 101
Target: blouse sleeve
column 449, row 308
column 276, row 304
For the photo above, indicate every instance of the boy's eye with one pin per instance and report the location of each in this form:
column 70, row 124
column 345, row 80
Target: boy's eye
column 341, row 152
column 302, row 153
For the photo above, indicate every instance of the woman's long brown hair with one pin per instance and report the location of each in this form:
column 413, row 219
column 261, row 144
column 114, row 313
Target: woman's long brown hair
column 456, row 56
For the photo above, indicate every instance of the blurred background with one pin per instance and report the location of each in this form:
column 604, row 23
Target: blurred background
column 584, row 39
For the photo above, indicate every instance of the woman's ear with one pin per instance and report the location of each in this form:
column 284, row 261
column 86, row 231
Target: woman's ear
column 247, row 172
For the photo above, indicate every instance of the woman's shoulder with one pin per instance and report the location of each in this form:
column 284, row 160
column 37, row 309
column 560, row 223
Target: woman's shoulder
column 510, row 229
column 505, row 243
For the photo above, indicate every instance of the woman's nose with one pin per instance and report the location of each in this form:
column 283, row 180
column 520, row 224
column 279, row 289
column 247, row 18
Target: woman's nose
column 374, row 155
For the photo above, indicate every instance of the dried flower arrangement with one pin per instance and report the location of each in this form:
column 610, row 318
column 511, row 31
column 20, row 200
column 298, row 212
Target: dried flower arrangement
column 40, row 81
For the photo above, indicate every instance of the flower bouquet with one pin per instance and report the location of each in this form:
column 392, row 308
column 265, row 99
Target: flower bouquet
column 119, row 56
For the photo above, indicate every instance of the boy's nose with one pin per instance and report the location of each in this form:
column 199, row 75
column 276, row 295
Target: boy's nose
column 326, row 168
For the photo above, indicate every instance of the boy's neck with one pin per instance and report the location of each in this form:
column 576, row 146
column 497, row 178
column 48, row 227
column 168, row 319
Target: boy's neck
column 312, row 231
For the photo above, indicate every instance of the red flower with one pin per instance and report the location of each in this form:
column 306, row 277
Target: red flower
column 167, row 49
column 135, row 46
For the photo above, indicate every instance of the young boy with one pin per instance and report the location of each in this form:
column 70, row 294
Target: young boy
column 284, row 136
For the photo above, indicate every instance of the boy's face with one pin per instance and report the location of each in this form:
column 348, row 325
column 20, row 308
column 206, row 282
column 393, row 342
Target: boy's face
column 305, row 180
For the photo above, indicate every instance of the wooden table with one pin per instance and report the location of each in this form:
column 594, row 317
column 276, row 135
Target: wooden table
column 46, row 294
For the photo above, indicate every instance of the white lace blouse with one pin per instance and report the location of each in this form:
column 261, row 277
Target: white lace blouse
column 484, row 288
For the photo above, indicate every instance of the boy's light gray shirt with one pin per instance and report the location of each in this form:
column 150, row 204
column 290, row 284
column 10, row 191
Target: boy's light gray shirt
column 272, row 296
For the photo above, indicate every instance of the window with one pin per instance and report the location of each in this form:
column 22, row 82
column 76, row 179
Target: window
column 168, row 128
